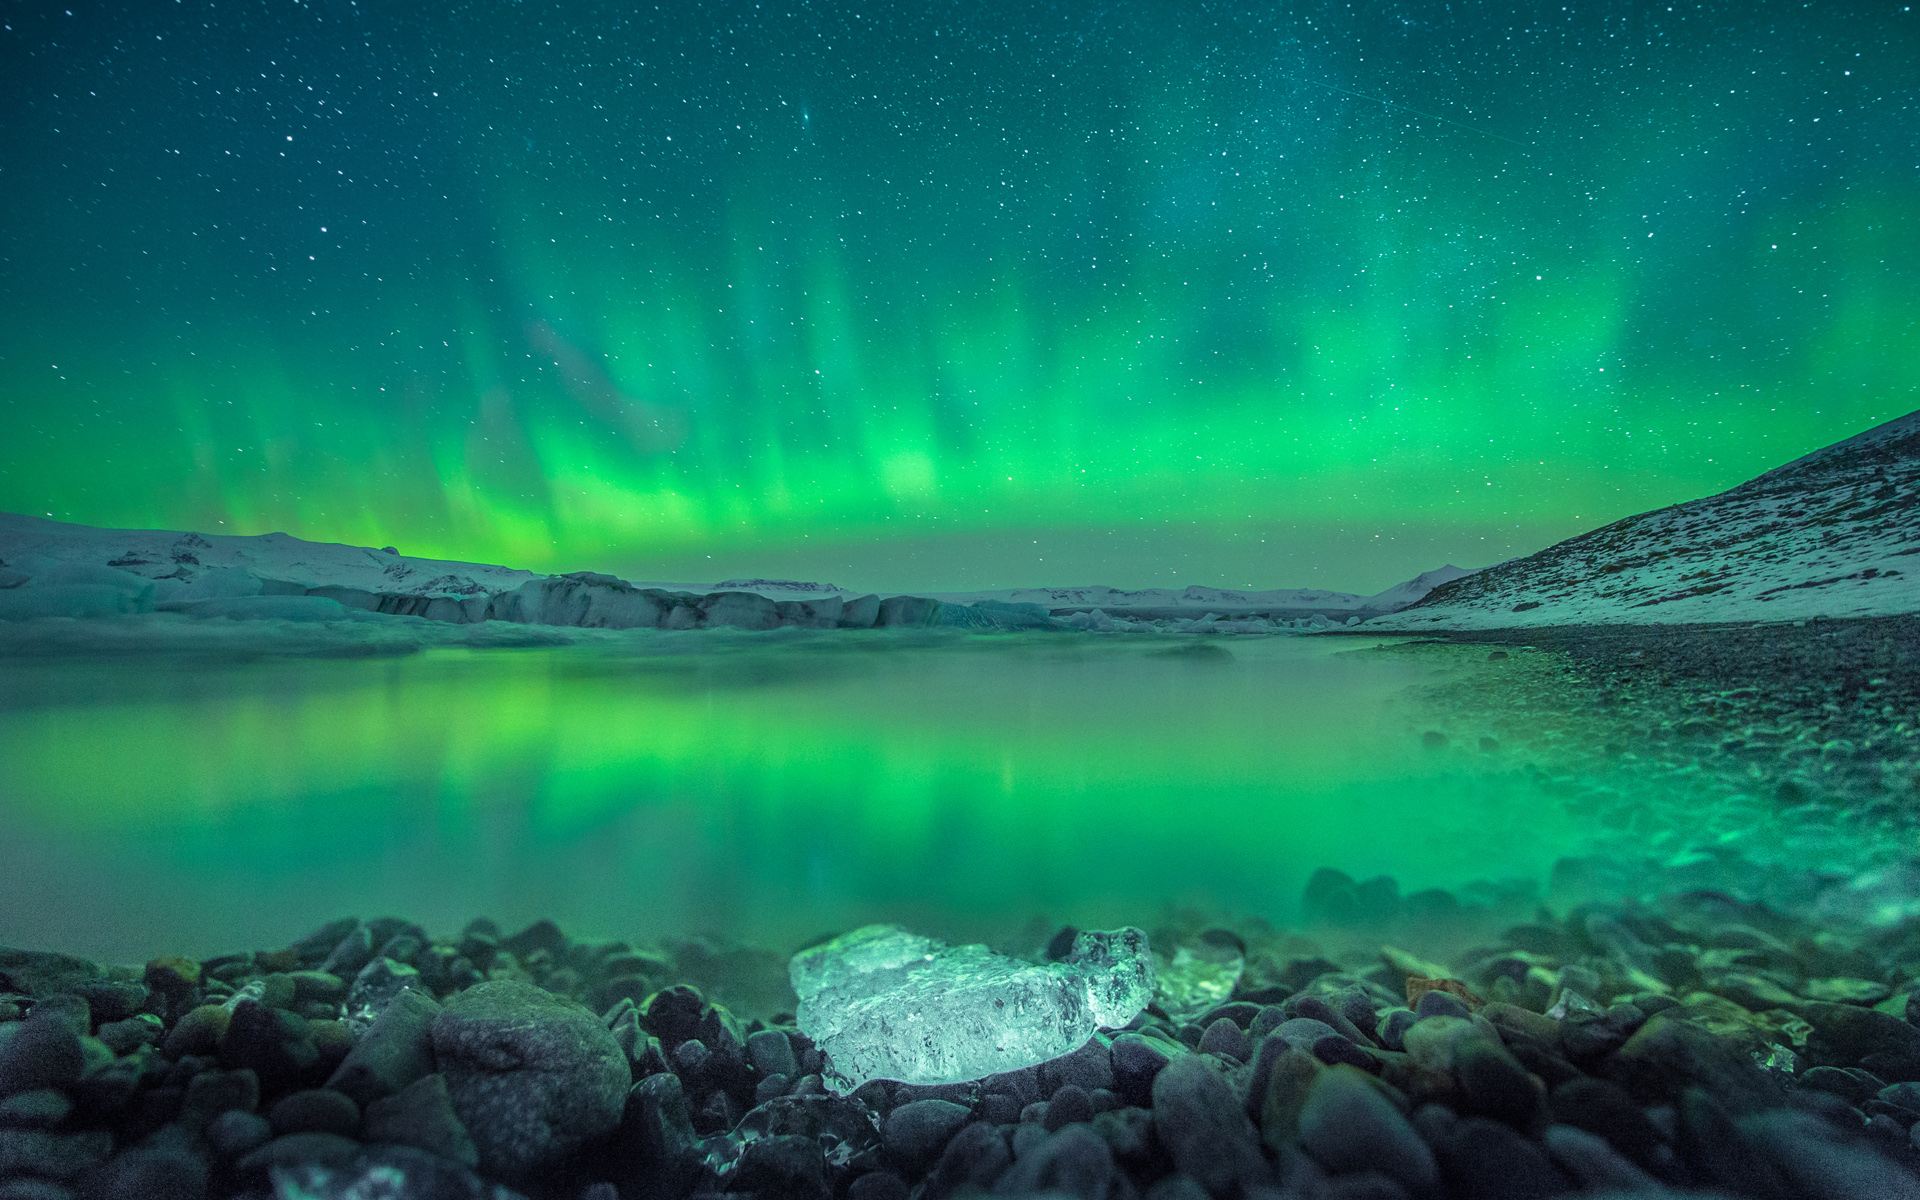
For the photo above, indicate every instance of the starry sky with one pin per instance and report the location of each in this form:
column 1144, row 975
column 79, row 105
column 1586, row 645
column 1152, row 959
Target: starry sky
column 946, row 294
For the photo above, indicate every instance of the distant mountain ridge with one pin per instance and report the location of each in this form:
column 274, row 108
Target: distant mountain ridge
column 1834, row 533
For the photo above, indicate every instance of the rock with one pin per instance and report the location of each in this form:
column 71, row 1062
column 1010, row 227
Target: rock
column 197, row 1032
column 1594, row 1164
column 374, row 988
column 784, row 1165
column 1290, row 1077
column 42, row 1108
column 421, row 1115
column 168, row 1166
column 532, row 1076
column 33, row 1189
column 211, row 1093
column 1493, row 1084
column 316, row 946
column 1436, row 1003
column 1487, row 1160
column 1074, row 1162
column 1201, row 1125
column 52, row 1155
column 1605, row 1110
column 297, row 1149
column 1347, row 1125
column 1719, row 1155
column 1391, row 1031
column 350, row 953
column 1668, row 1054
column 1136, row 1061
column 124, row 1037
column 975, row 1158
column 395, row 1051
column 1089, row 1067
column 317, row 987
column 772, row 1053
column 39, row 973
column 271, row 1042
column 877, row 1185
column 1070, row 1104
column 233, row 1133
column 657, row 1146
column 1128, row 1132
column 1225, row 1038
column 1846, row 1035
column 175, row 978
column 317, row 1110
column 915, row 1133
column 111, row 999
column 1817, row 1162
column 43, row 1051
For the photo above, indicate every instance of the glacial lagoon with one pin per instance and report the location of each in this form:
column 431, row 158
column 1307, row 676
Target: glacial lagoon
column 761, row 787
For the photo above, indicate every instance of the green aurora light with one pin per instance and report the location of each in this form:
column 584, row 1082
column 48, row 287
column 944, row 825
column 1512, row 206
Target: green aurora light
column 945, row 296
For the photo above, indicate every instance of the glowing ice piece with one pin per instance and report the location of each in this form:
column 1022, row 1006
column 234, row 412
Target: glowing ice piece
column 882, row 1003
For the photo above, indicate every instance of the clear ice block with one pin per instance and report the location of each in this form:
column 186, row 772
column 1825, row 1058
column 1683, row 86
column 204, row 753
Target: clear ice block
column 882, row 1003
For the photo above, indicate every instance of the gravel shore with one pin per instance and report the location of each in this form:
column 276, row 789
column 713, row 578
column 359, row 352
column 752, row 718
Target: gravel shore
column 1442, row 1044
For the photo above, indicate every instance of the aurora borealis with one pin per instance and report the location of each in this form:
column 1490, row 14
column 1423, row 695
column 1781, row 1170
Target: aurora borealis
column 961, row 294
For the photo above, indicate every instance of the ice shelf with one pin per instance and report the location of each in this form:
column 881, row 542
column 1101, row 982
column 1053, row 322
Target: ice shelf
column 882, row 1003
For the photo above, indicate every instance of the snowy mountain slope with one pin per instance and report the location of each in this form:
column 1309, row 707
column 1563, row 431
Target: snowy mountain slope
column 34, row 545
column 1833, row 534
column 1201, row 599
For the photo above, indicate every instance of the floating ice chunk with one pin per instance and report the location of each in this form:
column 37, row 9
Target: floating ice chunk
column 882, row 1003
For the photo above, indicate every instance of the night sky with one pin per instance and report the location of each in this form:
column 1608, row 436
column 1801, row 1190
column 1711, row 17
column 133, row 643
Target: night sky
column 944, row 294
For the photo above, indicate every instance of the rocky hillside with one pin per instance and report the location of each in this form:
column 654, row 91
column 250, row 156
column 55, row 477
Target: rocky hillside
column 1833, row 534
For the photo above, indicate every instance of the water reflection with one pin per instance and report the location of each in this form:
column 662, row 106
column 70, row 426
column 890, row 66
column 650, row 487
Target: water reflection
column 773, row 786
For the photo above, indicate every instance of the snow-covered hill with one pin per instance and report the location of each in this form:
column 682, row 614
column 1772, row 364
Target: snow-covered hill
column 1833, row 534
column 1221, row 600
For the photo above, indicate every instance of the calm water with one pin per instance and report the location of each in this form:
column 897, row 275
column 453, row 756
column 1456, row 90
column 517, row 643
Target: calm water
column 767, row 786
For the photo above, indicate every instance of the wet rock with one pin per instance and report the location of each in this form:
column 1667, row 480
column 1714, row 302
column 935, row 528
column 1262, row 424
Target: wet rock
column 975, row 1158
column 210, row 1093
column 1719, row 1155
column 298, row 1149
column 271, row 1042
column 394, row 1052
column 124, row 1037
column 174, row 978
column 1290, row 1076
column 42, row 1108
column 657, row 1146
column 781, row 1165
column 167, row 1166
column 1136, row 1062
column 421, row 1115
column 51, row 1155
column 317, row 1110
column 374, row 988
column 197, row 1032
column 1595, row 1165
column 1073, row 1161
column 532, row 1076
column 42, row 1051
column 1606, row 1110
column 1487, row 1160
column 1225, row 1038
column 1667, row 1055
column 1817, row 1161
column 1089, row 1067
column 1201, row 1124
column 350, row 953
column 877, row 1185
column 1347, row 1125
column 1493, row 1084
column 1846, row 1035
column 1068, row 1105
column 915, row 1133
column 40, row 973
column 772, row 1053
column 233, row 1133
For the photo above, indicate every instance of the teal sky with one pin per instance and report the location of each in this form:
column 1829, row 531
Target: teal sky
column 951, row 294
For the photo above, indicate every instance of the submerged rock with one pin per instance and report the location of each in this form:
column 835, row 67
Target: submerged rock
column 882, row 1003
